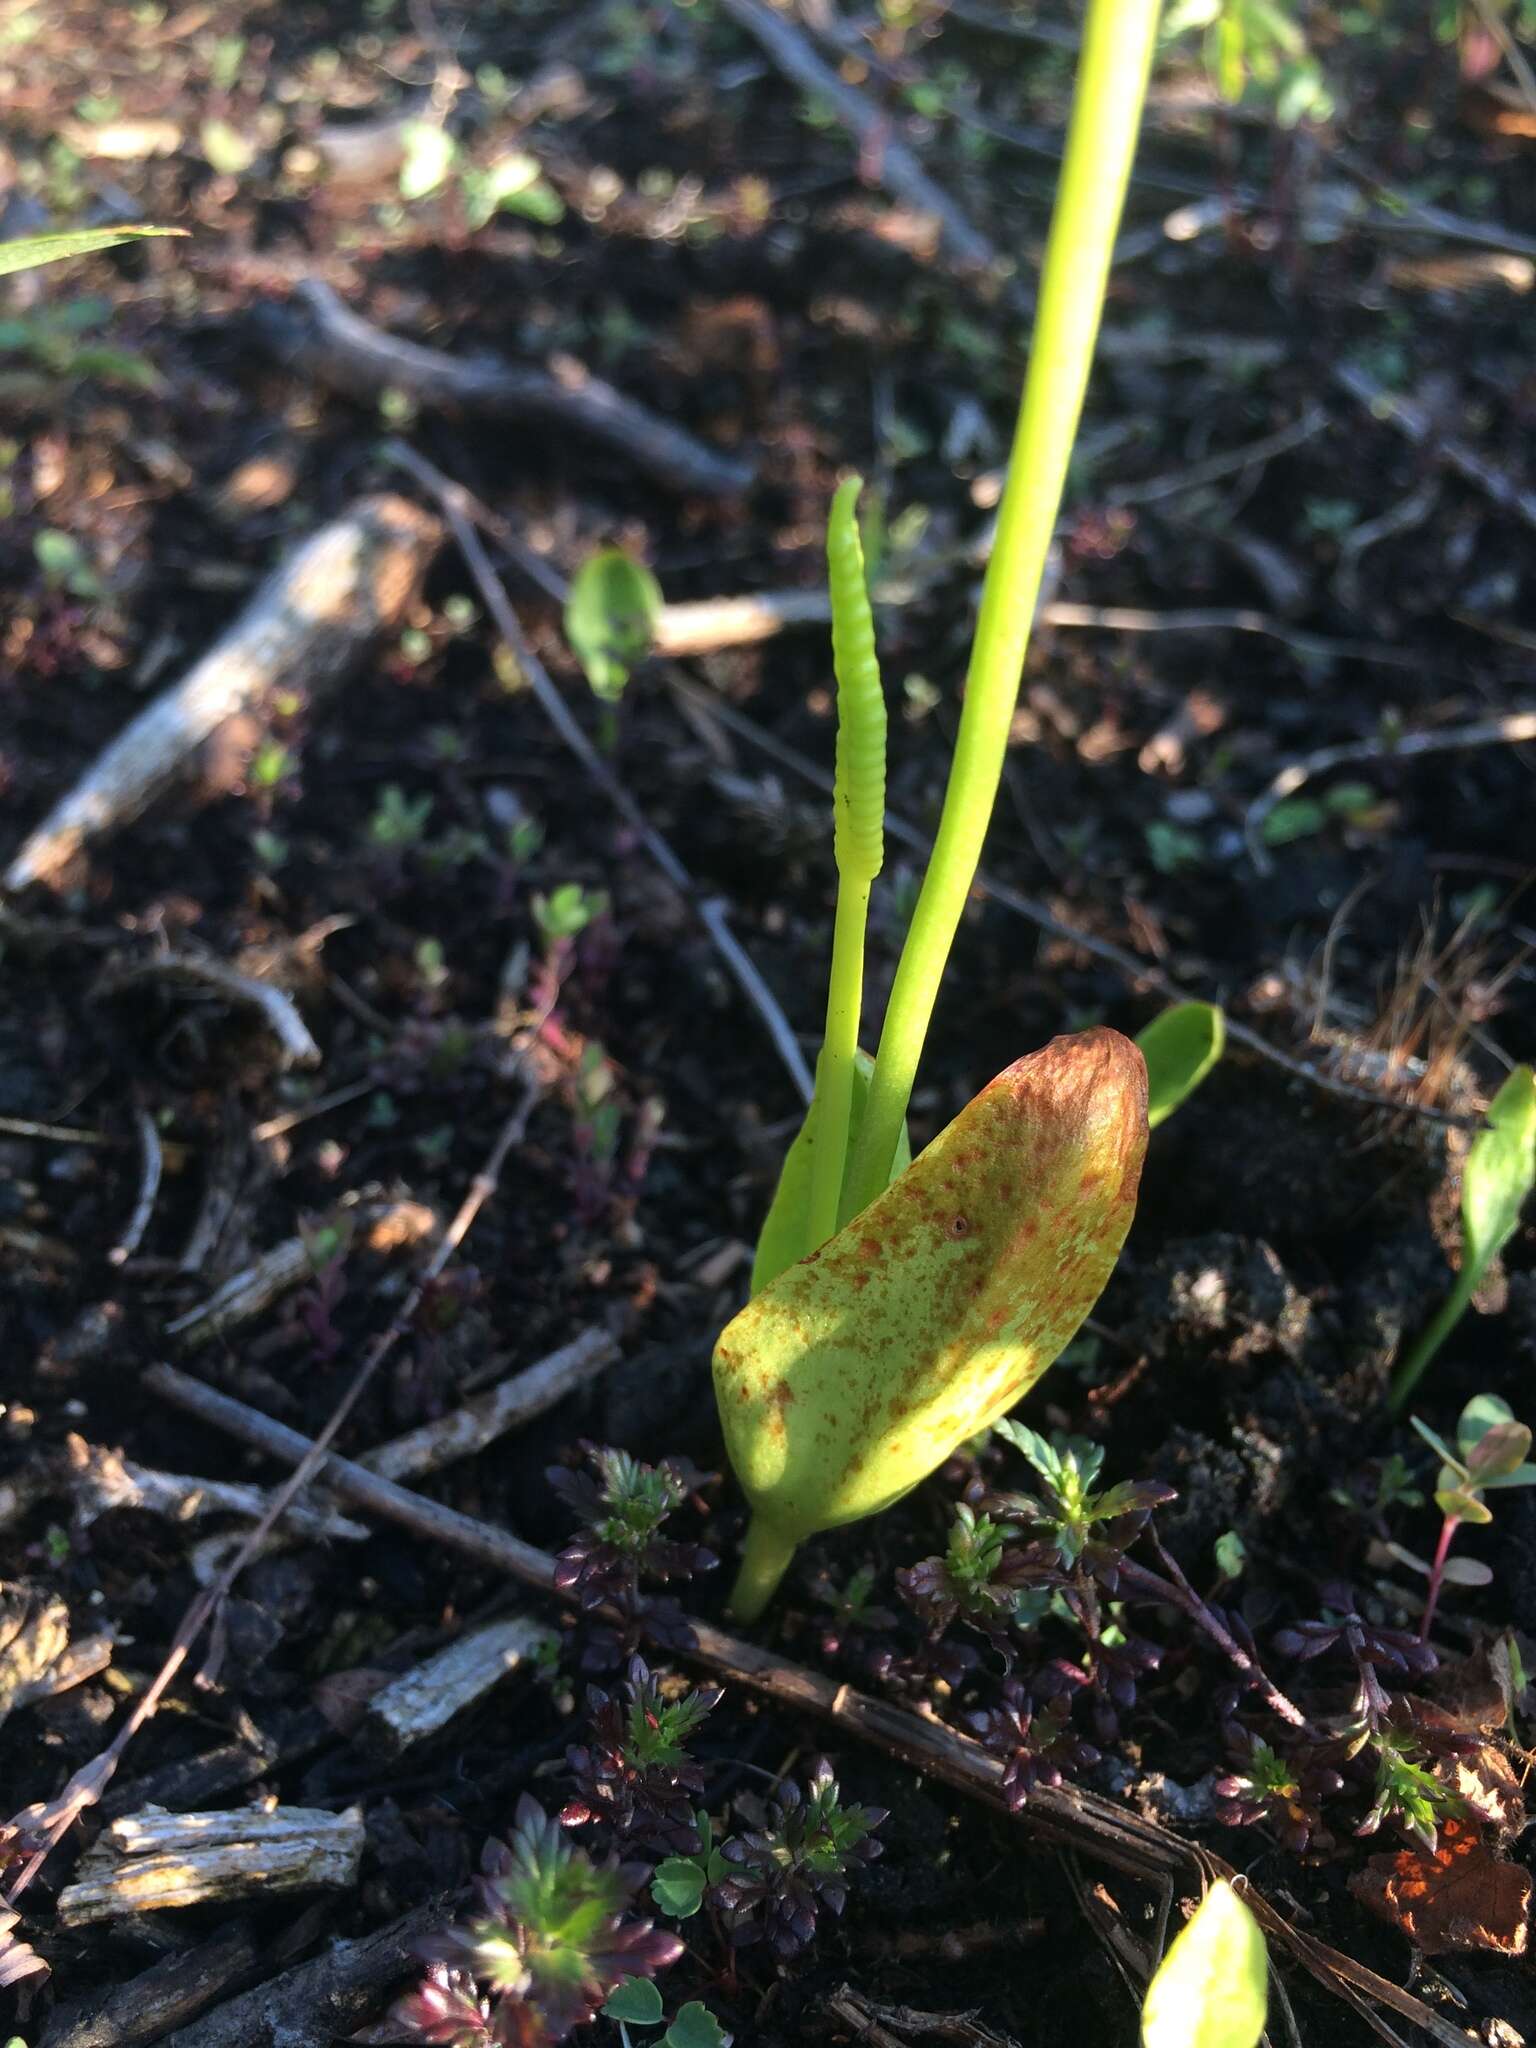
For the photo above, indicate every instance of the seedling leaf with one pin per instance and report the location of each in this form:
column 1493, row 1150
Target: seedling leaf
column 636, row 2001
column 1212, row 1988
column 1499, row 1173
column 32, row 250
column 695, row 2027
column 678, row 1887
column 610, row 618
column 1180, row 1048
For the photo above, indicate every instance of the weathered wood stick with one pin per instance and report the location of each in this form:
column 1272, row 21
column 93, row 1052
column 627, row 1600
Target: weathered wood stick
column 307, row 623
column 321, row 2001
column 463, row 1432
column 152, row 1860
column 167, row 1995
column 339, row 348
column 428, row 1698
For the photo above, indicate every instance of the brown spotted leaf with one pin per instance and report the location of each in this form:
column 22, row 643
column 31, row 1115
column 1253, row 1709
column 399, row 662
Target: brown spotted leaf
column 858, row 1370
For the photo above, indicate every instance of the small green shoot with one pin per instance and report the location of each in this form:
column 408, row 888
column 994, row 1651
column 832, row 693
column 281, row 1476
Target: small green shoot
column 398, row 821
column 1212, row 1988
column 33, row 250
column 1491, row 1451
column 610, row 619
column 637, row 2003
column 567, row 910
column 1180, row 1048
column 1499, row 1173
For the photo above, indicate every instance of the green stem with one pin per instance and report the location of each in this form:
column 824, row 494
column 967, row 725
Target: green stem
column 834, row 1070
column 765, row 1558
column 1445, row 1319
column 1101, row 141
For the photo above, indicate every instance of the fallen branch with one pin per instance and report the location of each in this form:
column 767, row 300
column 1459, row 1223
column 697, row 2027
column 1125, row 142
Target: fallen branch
column 711, row 624
column 334, row 345
column 461, row 510
column 1066, row 1816
column 151, row 1167
column 169, row 1993
column 321, row 2001
column 244, row 1295
column 1483, row 732
column 152, row 1861
column 306, row 625
column 104, row 1481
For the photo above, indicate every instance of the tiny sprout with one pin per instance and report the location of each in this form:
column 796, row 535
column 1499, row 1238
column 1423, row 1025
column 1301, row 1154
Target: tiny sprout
column 1407, row 1792
column 610, row 619
column 796, row 1862
column 398, row 821
column 566, row 911
column 1491, row 1451
column 551, row 1937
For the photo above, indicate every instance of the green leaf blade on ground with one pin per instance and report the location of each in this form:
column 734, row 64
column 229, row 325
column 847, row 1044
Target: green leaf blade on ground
column 1180, row 1048
column 33, row 250
column 1212, row 1988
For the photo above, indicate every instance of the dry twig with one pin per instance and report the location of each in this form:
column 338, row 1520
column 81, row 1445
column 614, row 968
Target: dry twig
column 309, row 621
column 344, row 351
column 1507, row 730
column 151, row 1861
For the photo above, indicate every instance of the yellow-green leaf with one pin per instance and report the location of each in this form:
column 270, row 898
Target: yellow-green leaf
column 785, row 1233
column 1212, row 1989
column 859, row 1369
column 33, row 250
column 1180, row 1047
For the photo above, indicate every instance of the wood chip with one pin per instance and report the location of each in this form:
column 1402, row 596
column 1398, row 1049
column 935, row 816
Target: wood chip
column 152, row 1860
column 428, row 1698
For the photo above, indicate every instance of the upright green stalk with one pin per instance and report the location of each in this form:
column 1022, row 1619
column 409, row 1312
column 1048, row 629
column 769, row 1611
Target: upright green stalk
column 1101, row 141
column 858, row 840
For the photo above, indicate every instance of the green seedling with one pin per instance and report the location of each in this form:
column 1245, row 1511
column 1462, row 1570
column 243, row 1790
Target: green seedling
column 1499, row 1173
column 610, row 619
column 1212, row 1988
column 398, row 821
column 31, row 251
column 637, row 2003
column 857, row 1371
column 901, row 1309
column 1491, row 1451
column 1180, row 1048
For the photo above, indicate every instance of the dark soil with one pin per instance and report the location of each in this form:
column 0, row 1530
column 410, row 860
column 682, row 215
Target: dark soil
column 721, row 259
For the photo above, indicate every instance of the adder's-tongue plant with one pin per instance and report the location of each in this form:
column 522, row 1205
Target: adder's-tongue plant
column 897, row 1312
column 858, row 1370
